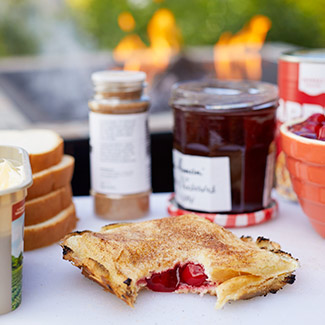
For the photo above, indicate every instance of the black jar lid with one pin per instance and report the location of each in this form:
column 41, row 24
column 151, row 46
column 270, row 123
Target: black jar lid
column 215, row 95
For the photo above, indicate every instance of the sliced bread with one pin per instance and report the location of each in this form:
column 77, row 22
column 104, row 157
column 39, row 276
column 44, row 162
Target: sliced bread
column 50, row 231
column 52, row 178
column 47, row 206
column 45, row 147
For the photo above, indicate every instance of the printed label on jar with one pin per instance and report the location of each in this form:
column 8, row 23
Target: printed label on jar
column 202, row 183
column 119, row 153
column 289, row 110
column 312, row 78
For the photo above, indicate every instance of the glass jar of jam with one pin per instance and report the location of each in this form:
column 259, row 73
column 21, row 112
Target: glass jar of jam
column 224, row 148
column 119, row 145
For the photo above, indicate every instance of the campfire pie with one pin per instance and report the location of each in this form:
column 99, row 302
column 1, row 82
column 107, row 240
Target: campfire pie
column 179, row 254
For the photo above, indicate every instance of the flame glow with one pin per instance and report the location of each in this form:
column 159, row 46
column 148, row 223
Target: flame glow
column 164, row 37
column 126, row 21
column 238, row 56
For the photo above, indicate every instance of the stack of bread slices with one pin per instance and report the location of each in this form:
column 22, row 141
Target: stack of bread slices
column 49, row 209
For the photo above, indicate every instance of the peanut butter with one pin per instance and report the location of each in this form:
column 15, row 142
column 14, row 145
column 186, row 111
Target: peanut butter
column 119, row 141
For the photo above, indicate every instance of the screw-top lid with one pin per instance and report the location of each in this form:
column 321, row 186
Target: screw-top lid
column 235, row 220
column 311, row 56
column 117, row 80
column 223, row 95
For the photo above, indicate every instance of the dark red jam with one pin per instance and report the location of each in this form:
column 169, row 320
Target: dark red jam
column 312, row 128
column 190, row 274
column 235, row 120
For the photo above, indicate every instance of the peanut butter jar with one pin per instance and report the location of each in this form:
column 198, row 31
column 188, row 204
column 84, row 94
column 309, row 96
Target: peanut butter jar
column 119, row 145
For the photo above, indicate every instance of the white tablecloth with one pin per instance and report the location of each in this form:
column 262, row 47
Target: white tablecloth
column 54, row 291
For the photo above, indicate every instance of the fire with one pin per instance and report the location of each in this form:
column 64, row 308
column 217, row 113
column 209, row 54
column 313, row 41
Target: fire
column 238, row 56
column 126, row 21
column 128, row 51
column 164, row 42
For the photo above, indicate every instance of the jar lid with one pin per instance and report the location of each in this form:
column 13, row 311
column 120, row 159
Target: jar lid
column 223, row 95
column 115, row 80
column 306, row 55
column 236, row 220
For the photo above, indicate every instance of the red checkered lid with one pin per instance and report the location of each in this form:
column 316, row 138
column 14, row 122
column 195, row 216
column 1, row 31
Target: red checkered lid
column 230, row 220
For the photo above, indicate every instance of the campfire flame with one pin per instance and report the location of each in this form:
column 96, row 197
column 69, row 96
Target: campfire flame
column 126, row 21
column 164, row 42
column 238, row 56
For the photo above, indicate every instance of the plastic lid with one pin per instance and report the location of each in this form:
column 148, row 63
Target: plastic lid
column 118, row 79
column 21, row 156
column 224, row 95
column 315, row 55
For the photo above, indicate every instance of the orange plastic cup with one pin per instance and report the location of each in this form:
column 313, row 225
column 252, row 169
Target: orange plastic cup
column 305, row 159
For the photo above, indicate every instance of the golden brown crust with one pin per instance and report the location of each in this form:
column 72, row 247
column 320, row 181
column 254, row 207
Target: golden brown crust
column 52, row 178
column 47, row 206
column 132, row 252
column 50, row 231
column 47, row 159
column 95, row 271
column 249, row 286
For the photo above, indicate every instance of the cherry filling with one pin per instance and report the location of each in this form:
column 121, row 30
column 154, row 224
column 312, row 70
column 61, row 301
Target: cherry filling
column 168, row 281
column 313, row 127
column 193, row 274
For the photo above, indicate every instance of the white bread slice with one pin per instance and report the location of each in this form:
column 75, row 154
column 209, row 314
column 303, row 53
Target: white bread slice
column 52, row 178
column 50, row 231
column 47, row 206
column 45, row 147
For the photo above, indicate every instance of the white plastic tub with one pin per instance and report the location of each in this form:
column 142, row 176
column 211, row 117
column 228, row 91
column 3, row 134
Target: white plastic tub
column 12, row 213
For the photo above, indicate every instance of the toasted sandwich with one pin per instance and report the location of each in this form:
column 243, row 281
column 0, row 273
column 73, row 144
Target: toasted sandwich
column 179, row 254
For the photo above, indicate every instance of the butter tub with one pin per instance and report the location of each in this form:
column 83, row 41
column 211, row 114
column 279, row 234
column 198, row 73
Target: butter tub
column 15, row 178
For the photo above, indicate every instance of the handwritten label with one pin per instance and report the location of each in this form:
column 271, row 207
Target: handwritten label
column 202, row 183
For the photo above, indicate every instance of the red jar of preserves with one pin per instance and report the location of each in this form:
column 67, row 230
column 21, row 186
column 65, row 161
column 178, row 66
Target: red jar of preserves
column 224, row 148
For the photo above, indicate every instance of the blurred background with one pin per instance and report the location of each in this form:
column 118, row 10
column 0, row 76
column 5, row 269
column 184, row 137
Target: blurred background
column 30, row 27
column 49, row 48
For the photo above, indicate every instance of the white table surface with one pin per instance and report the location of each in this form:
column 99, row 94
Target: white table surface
column 55, row 292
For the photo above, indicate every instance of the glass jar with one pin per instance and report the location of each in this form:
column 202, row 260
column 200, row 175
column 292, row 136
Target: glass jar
column 224, row 148
column 119, row 145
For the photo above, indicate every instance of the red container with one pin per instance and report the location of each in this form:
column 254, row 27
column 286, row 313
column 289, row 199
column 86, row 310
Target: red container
column 301, row 81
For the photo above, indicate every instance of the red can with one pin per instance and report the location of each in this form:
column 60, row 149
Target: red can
column 301, row 81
